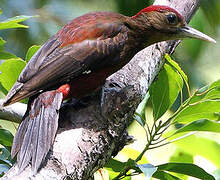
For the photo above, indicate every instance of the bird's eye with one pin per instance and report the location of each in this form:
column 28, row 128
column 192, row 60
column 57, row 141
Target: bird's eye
column 171, row 18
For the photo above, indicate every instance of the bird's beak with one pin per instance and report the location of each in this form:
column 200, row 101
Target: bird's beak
column 193, row 33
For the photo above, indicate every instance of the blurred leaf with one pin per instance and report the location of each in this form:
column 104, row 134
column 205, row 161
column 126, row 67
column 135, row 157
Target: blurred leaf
column 10, row 71
column 6, row 56
column 164, row 90
column 200, row 110
column 3, row 169
column 132, row 7
column 147, row 169
column 4, row 153
column 0, row 11
column 2, row 42
column 200, row 125
column 187, row 169
column 6, row 138
column 162, row 175
column 31, row 51
column 204, row 147
column 5, row 157
column 192, row 47
column 14, row 22
column 140, row 112
column 211, row 9
column 181, row 156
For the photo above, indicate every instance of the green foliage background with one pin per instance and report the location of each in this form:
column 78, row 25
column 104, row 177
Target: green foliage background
column 199, row 60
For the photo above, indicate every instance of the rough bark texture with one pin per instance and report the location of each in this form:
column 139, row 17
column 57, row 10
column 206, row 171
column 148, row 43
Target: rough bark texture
column 94, row 129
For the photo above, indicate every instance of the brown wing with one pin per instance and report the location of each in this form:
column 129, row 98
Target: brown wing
column 67, row 55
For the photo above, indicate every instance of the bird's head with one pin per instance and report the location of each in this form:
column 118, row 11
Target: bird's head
column 166, row 23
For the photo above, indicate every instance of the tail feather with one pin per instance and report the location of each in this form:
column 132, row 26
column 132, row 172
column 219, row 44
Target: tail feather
column 36, row 133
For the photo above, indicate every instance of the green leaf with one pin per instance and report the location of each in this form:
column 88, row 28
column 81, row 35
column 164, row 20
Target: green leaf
column 5, row 157
column 165, row 90
column 6, row 56
column 178, row 68
column 187, row 169
column 115, row 165
column 0, row 11
column 31, row 51
column 14, row 22
column 2, row 43
column 147, row 169
column 197, row 111
column 181, row 156
column 10, row 71
column 113, row 174
column 140, row 111
column 162, row 175
column 4, row 154
column 204, row 147
column 3, row 169
column 211, row 92
column 6, row 138
column 200, row 125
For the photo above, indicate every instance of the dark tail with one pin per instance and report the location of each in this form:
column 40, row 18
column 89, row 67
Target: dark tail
column 37, row 130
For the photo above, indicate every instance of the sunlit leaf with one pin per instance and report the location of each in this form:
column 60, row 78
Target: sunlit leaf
column 164, row 91
column 187, row 169
column 211, row 92
column 204, row 147
column 10, row 71
column 14, row 22
column 132, row 153
column 201, row 125
column 178, row 68
column 181, row 156
column 31, row 51
column 148, row 170
column 197, row 111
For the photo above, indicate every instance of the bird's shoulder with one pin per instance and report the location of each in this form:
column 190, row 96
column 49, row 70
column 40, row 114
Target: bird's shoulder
column 91, row 26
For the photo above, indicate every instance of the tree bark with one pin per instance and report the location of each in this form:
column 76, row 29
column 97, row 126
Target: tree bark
column 93, row 130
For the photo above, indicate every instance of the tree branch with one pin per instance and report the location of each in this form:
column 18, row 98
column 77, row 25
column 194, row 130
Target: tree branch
column 94, row 130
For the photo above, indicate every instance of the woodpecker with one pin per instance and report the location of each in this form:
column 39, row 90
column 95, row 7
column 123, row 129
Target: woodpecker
column 76, row 61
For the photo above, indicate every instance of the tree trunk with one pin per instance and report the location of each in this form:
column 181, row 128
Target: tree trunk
column 94, row 129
